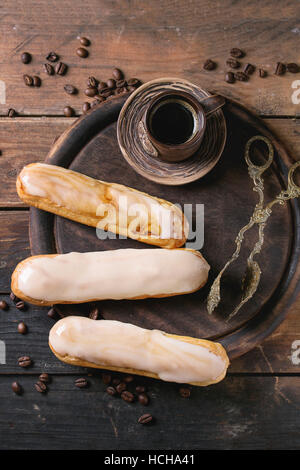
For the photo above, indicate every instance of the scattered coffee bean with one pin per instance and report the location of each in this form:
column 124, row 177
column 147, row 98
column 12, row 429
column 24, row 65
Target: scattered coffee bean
column 3, row 305
column 60, row 308
column 106, row 378
column 101, row 99
column 36, row 81
column 82, row 52
column 91, row 91
column 128, row 379
column 280, row 68
column 11, row 112
column 48, row 69
column 28, row 80
column 16, row 387
column 70, row 89
column 21, row 305
column 117, row 74
column 84, row 41
column 52, row 57
column 44, row 377
column 237, row 53
column 116, row 381
column 241, row 76
column 140, row 389
column 233, row 63
column 26, row 57
column 127, row 396
column 13, row 297
column 81, row 383
column 68, row 111
column 121, row 83
column 130, row 88
column 229, row 77
column 102, row 85
column 143, row 399
column 94, row 313
column 93, row 104
column 40, row 387
column 292, row 67
column 249, row 69
column 52, row 314
column 86, row 107
column 111, row 391
column 133, row 82
column 208, row 65
column 121, row 387
column 111, row 83
column 61, row 68
column 121, row 90
column 145, row 419
column 22, row 328
column 24, row 361
column 262, row 73
column 185, row 392
column 92, row 82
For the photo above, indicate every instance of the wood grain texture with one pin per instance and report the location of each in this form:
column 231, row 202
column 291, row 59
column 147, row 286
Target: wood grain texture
column 225, row 416
column 147, row 42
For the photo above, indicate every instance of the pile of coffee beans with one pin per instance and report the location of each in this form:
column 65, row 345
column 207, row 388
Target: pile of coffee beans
column 243, row 75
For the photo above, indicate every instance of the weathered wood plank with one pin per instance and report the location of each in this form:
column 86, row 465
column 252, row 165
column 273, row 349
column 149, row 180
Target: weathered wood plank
column 225, row 416
column 146, row 42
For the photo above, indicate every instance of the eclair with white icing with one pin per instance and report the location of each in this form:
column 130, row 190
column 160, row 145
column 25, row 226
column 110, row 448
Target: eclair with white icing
column 123, row 347
column 107, row 206
column 114, row 274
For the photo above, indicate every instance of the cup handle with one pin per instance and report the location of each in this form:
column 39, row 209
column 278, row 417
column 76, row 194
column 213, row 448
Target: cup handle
column 212, row 103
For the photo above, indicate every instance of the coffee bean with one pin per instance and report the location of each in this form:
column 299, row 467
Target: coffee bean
column 121, row 90
column 292, row 67
column 111, row 391
column 91, row 91
column 16, row 387
column 117, row 74
column 24, row 361
column 121, row 83
column 94, row 313
column 68, row 111
column 52, row 57
column 44, row 377
column 22, row 328
column 145, row 419
column 82, row 52
column 61, row 68
column 140, row 389
column 249, row 69
column 52, row 314
column 60, row 308
column 106, row 378
column 133, row 82
column 229, row 77
column 241, row 76
column 130, row 88
column 106, row 92
column 48, row 69
column 127, row 396
column 280, row 68
column 102, row 85
column 111, row 83
column 93, row 104
column 84, row 41
column 21, row 305
column 28, row 80
column 233, row 63
column 128, row 379
column 13, row 297
column 262, row 73
column 208, row 65
column 11, row 113
column 121, row 387
column 70, row 89
column 3, row 305
column 116, row 381
column 36, row 81
column 237, row 53
column 92, row 82
column 40, row 387
column 86, row 107
column 81, row 383
column 185, row 392
column 143, row 399
column 26, row 57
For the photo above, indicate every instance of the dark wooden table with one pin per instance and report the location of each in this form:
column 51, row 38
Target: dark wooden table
column 257, row 405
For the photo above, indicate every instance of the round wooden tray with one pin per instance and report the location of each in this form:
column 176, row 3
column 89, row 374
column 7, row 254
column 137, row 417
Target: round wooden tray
column 90, row 147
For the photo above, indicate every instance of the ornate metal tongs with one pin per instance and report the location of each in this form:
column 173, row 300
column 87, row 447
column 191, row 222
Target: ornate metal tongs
column 260, row 216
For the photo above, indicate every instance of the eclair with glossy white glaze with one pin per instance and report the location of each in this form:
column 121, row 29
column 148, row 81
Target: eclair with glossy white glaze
column 107, row 206
column 113, row 345
column 114, row 274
